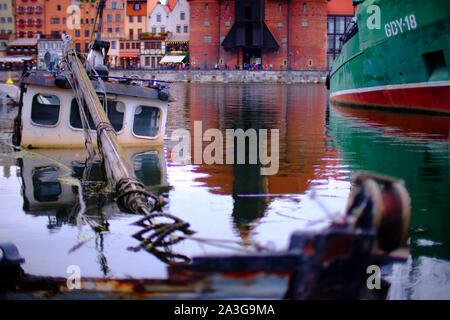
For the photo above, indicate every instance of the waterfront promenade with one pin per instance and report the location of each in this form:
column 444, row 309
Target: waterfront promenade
column 221, row 76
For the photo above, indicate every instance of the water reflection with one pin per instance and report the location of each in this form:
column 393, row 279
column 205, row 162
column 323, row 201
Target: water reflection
column 50, row 181
column 48, row 187
column 319, row 149
column 298, row 112
column 415, row 148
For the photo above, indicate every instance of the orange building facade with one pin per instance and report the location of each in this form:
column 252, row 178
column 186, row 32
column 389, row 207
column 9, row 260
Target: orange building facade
column 50, row 19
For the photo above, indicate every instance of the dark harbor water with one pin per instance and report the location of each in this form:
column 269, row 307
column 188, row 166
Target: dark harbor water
column 320, row 147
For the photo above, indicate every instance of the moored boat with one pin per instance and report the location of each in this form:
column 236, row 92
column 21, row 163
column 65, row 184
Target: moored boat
column 50, row 115
column 396, row 55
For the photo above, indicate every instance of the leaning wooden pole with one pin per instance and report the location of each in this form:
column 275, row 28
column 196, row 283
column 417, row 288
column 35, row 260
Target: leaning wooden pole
column 119, row 171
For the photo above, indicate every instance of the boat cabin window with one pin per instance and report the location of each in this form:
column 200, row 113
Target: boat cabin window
column 45, row 109
column 146, row 121
column 46, row 186
column 115, row 114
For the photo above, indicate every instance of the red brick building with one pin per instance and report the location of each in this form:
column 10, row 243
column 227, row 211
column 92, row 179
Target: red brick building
column 287, row 34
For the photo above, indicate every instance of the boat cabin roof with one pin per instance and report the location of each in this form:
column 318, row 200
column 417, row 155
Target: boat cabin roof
column 42, row 78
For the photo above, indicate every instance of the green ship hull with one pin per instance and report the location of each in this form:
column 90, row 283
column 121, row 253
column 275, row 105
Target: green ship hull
column 396, row 55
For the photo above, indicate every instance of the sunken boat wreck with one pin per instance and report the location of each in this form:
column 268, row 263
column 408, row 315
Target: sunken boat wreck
column 76, row 104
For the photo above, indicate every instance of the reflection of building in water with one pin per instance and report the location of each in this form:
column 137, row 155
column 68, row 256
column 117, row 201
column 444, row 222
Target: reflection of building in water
column 47, row 189
column 299, row 114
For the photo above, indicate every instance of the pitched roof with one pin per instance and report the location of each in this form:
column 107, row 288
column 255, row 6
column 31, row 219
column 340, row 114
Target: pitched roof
column 171, row 4
column 151, row 4
column 166, row 8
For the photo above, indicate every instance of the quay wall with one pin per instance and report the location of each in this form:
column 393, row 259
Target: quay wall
column 218, row 76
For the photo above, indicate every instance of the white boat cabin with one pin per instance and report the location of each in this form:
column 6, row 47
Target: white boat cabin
column 50, row 116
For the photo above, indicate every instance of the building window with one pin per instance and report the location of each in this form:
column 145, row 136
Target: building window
column 182, row 15
column 54, row 20
column 206, row 6
column 86, row 47
column 87, row 21
column 163, row 29
column 86, row 33
column 45, row 109
column 117, row 17
column 285, row 62
column 310, row 62
column 186, row 28
column 152, row 45
column 127, row 45
column 113, row 45
column 340, row 25
column 131, row 18
column 336, row 25
column 280, row 8
column 158, row 18
column 117, row 30
column 121, row 46
column 227, row 23
column 207, row 39
column 58, row 7
column 206, row 23
column 154, row 30
column 109, row 18
column 139, row 18
column 77, row 33
column 178, row 29
column 147, row 61
column 304, row 23
column 227, row 7
column 113, row 5
column 137, row 6
column 30, row 34
column 64, row 20
column 109, row 30
column 280, row 25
